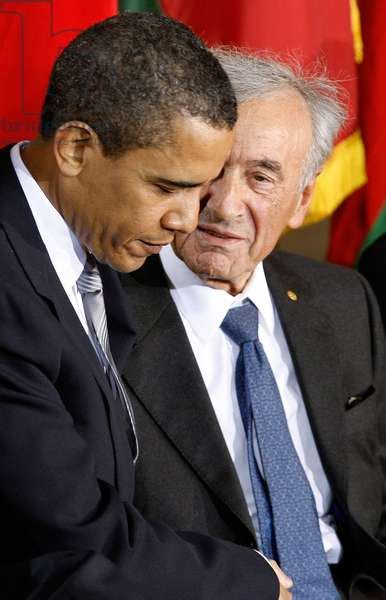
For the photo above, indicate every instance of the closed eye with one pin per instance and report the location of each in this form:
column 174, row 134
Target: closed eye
column 164, row 189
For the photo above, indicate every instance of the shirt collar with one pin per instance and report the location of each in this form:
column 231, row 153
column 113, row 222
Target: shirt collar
column 63, row 247
column 204, row 307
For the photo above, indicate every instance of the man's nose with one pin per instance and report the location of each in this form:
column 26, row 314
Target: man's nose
column 183, row 216
column 224, row 199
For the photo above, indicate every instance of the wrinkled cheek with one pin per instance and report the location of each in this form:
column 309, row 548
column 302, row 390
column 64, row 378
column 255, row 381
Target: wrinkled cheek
column 181, row 241
column 263, row 242
column 119, row 234
column 106, row 243
column 187, row 249
column 115, row 240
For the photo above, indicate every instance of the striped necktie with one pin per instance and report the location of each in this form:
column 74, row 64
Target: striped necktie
column 285, row 504
column 90, row 287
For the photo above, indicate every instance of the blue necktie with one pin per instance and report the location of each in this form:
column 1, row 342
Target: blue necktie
column 285, row 505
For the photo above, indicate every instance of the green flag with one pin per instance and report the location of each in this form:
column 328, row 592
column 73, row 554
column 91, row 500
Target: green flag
column 139, row 6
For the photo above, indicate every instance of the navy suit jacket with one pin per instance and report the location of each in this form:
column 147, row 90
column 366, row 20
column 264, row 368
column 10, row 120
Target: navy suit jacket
column 372, row 264
column 68, row 526
column 185, row 475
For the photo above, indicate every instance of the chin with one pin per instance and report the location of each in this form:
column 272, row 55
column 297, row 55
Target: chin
column 212, row 264
column 125, row 263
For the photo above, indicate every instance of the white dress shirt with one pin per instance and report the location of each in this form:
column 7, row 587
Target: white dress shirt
column 66, row 253
column 202, row 310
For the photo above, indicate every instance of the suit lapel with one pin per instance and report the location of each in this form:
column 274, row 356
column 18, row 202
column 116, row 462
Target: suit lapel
column 23, row 235
column 24, row 238
column 310, row 337
column 39, row 270
column 162, row 339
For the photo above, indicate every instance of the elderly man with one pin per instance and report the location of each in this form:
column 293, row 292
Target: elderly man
column 258, row 376
column 137, row 120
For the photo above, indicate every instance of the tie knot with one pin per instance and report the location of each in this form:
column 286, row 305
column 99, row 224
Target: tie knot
column 89, row 280
column 241, row 323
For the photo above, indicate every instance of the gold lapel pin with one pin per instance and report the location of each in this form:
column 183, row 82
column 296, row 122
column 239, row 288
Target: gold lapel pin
column 292, row 295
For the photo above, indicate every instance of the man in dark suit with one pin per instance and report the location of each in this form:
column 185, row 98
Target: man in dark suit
column 137, row 120
column 372, row 264
column 318, row 324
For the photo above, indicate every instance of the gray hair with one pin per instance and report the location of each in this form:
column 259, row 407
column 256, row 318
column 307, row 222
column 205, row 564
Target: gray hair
column 256, row 75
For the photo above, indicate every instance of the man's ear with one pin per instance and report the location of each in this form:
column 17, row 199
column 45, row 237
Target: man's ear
column 302, row 206
column 72, row 142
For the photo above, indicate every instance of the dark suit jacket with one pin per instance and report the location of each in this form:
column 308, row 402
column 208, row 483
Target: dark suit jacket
column 68, row 527
column 185, row 475
column 372, row 264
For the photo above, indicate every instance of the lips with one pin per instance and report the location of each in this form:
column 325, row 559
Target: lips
column 155, row 243
column 154, row 247
column 214, row 231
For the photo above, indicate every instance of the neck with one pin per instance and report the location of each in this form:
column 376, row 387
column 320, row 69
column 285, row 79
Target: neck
column 233, row 287
column 39, row 159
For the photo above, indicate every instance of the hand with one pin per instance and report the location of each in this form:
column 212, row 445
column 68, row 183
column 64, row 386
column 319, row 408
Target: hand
column 286, row 582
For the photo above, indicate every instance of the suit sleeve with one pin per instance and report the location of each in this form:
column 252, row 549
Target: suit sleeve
column 372, row 264
column 372, row 549
column 379, row 354
column 66, row 535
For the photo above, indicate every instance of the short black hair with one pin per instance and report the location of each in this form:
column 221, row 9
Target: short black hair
column 127, row 77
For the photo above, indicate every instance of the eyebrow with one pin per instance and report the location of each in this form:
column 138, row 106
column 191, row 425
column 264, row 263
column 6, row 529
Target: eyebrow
column 177, row 184
column 267, row 163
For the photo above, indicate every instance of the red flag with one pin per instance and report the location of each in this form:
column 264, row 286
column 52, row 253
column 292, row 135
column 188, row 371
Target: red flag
column 32, row 34
column 362, row 218
column 307, row 29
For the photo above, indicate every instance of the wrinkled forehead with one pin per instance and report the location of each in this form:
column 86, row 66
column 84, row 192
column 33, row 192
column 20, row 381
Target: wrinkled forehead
column 277, row 125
